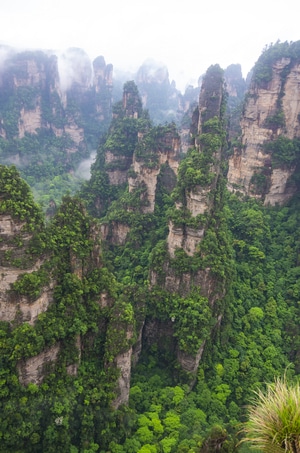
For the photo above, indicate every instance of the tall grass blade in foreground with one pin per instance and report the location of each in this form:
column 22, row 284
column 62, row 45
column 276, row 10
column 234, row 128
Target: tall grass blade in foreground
column 274, row 419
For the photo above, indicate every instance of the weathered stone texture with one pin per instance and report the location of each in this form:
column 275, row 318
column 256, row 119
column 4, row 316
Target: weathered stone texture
column 250, row 158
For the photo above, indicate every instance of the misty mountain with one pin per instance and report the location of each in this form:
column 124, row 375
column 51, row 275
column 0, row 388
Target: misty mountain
column 147, row 309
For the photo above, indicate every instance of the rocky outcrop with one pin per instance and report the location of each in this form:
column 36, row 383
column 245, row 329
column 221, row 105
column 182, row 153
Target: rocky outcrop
column 102, row 74
column 132, row 104
column 117, row 167
column 32, row 370
column 118, row 150
column 61, row 96
column 30, row 120
column 21, row 309
column 158, row 94
column 236, row 88
column 190, row 362
column 123, row 363
column 13, row 264
column 271, row 111
column 280, row 191
column 115, row 232
column 235, row 83
column 195, row 209
column 197, row 199
column 187, row 239
column 166, row 151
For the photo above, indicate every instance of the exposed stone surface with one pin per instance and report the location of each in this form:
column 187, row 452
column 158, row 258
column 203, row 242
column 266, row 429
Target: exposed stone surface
column 32, row 370
column 103, row 73
column 175, row 239
column 11, row 234
column 138, row 345
column 51, row 93
column 147, row 176
column 280, row 193
column 115, row 232
column 235, row 84
column 21, row 308
column 198, row 201
column 291, row 102
column 30, row 120
column 250, row 158
column 8, row 227
column 123, row 363
column 188, row 362
column 119, row 233
column 116, row 175
column 76, row 133
column 191, row 239
column 187, row 239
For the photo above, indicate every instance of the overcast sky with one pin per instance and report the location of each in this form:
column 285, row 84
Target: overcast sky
column 187, row 36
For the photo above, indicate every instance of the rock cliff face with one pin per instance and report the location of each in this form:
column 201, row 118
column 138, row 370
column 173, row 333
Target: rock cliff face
column 14, row 308
column 33, row 370
column 30, row 284
column 271, row 112
column 196, row 206
column 123, row 136
column 123, row 363
column 66, row 96
column 14, row 263
column 164, row 149
column 197, row 200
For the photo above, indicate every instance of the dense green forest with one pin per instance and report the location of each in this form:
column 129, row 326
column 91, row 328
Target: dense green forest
column 103, row 296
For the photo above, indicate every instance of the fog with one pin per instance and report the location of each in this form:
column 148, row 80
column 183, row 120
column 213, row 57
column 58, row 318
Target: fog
column 74, row 66
column 187, row 37
column 83, row 170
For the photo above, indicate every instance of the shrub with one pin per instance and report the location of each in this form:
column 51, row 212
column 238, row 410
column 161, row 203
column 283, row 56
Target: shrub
column 274, row 418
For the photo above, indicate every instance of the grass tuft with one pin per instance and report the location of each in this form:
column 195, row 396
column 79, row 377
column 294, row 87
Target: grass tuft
column 274, row 419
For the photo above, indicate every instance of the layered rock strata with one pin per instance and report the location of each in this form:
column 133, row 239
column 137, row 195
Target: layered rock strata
column 280, row 98
column 198, row 202
column 167, row 149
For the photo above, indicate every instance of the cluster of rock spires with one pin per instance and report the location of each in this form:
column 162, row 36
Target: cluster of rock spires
column 41, row 92
column 249, row 158
column 70, row 96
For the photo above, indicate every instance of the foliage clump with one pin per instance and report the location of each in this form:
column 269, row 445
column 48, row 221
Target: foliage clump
column 17, row 200
column 262, row 72
column 274, row 418
column 285, row 151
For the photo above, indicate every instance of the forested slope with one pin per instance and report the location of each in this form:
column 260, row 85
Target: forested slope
column 143, row 314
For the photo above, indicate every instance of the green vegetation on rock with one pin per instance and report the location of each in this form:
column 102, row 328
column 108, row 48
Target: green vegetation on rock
column 121, row 307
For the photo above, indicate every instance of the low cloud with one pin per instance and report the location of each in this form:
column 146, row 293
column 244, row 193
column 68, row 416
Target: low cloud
column 74, row 67
column 83, row 170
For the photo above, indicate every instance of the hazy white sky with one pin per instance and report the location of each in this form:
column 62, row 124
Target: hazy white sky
column 187, row 36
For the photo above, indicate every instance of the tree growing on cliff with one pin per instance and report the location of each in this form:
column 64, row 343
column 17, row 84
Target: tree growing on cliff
column 274, row 418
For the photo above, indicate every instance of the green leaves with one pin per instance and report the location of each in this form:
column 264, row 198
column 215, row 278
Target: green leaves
column 17, row 200
column 31, row 284
column 285, row 151
column 192, row 321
